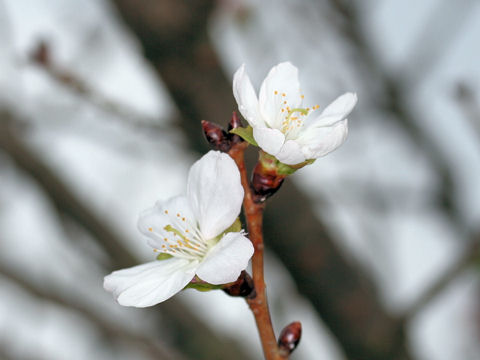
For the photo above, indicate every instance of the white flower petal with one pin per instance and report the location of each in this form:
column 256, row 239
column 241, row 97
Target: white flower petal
column 270, row 140
column 317, row 142
column 226, row 260
column 214, row 192
column 290, row 153
column 151, row 283
column 341, row 105
column 175, row 211
column 246, row 97
column 338, row 110
column 281, row 84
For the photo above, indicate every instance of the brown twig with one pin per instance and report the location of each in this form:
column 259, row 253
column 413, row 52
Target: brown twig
column 254, row 217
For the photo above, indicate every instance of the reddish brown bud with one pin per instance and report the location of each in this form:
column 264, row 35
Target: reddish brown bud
column 289, row 338
column 264, row 184
column 242, row 287
column 234, row 123
column 216, row 136
column 266, row 179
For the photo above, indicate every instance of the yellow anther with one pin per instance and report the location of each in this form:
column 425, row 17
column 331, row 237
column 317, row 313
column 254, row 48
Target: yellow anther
column 183, row 219
column 150, row 229
column 166, row 211
column 275, row 92
column 302, row 96
column 285, row 102
column 283, row 94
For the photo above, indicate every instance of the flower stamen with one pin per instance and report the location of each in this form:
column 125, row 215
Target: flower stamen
column 292, row 122
column 186, row 247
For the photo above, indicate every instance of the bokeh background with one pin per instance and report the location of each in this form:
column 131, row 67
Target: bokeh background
column 374, row 248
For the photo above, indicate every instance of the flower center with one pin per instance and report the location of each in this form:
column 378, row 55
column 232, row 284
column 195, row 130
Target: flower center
column 186, row 244
column 183, row 239
column 292, row 119
column 291, row 122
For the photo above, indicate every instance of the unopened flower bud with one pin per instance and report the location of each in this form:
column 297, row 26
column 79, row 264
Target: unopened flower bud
column 216, row 136
column 242, row 287
column 266, row 178
column 289, row 338
column 264, row 184
column 234, row 123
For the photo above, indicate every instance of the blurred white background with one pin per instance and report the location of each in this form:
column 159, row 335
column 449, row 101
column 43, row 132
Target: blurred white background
column 383, row 194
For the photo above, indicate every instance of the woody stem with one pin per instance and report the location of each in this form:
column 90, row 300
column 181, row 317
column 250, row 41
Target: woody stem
column 254, row 217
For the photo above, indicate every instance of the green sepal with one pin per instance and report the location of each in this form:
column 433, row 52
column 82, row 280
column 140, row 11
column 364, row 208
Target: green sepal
column 164, row 256
column 284, row 169
column 202, row 287
column 246, row 134
column 271, row 163
column 235, row 227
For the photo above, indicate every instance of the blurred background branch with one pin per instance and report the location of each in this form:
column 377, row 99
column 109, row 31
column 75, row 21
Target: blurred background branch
column 42, row 56
column 469, row 104
column 204, row 344
column 151, row 346
column 469, row 258
column 392, row 98
column 354, row 232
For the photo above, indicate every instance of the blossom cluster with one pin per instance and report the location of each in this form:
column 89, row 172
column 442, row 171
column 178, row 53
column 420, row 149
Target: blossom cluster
column 198, row 236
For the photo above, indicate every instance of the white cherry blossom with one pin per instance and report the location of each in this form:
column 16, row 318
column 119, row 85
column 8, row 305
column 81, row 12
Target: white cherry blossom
column 282, row 125
column 190, row 232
